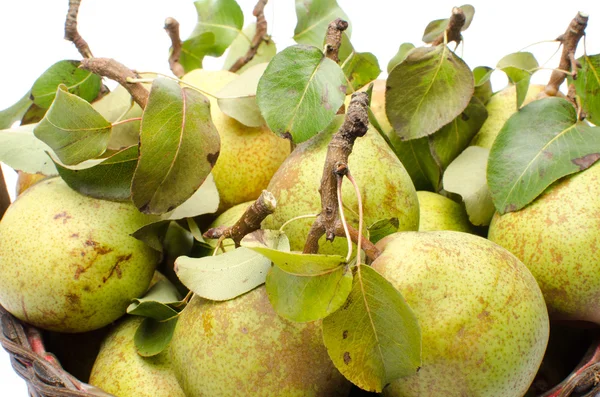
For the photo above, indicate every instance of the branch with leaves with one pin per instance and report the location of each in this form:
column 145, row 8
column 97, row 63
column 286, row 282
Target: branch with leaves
column 455, row 25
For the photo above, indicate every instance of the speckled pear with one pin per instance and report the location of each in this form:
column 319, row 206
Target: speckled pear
column 483, row 319
column 440, row 213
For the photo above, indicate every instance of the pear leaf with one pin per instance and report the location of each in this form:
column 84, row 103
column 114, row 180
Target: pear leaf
column 22, row 151
column 374, row 338
column 79, row 82
column 204, row 201
column 466, row 176
column 314, row 17
column 426, row 91
column 537, row 146
column 152, row 337
column 15, row 112
column 196, row 232
column 153, row 234
column 110, row 179
column 178, row 241
column 437, row 27
column 240, row 46
column 223, row 18
column 400, row 56
column 179, row 145
column 417, row 160
column 238, row 98
column 587, row 86
column 360, row 68
column 382, row 228
column 34, row 115
column 194, row 49
column 300, row 264
column 73, row 129
column 300, row 92
column 308, row 298
column 483, row 83
column 157, row 302
column 519, row 68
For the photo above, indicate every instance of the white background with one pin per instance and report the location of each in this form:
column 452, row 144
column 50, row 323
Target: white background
column 131, row 31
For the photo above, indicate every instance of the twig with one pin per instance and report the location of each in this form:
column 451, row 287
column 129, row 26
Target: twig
column 250, row 221
column 71, row 32
column 120, row 73
column 333, row 39
column 4, row 197
column 172, row 28
column 569, row 41
column 452, row 32
column 259, row 36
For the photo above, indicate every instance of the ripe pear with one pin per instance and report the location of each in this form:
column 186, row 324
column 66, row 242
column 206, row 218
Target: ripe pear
column 483, row 319
column 386, row 188
column 25, row 180
column 556, row 236
column 68, row 262
column 241, row 347
column 121, row 371
column 249, row 156
column 440, row 213
column 500, row 107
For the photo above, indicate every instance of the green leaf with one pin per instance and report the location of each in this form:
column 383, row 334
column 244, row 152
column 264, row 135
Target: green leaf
column 300, row 92
column 153, row 234
column 194, row 49
column 426, row 91
column 152, row 337
column 314, row 17
column 22, row 151
column 437, row 27
column 179, row 145
column 33, row 115
column 157, row 302
column 375, row 337
column 223, row 18
column 15, row 112
column 466, row 176
column 519, row 68
column 79, row 82
column 587, row 86
column 204, row 201
column 240, row 46
column 238, row 98
column 301, row 264
column 308, row 298
column 483, row 84
column 73, row 129
column 108, row 180
column 537, row 146
column 382, row 228
column 400, row 56
column 360, row 68
column 178, row 241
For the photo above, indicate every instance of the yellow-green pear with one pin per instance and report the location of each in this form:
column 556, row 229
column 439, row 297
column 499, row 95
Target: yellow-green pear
column 440, row 213
column 500, row 107
column 68, row 262
column 121, row 371
column 386, row 188
column 249, row 156
column 241, row 347
column 558, row 237
column 25, row 180
column 483, row 319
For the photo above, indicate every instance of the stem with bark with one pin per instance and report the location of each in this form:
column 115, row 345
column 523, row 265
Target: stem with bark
column 455, row 25
column 259, row 36
column 71, row 32
column 172, row 28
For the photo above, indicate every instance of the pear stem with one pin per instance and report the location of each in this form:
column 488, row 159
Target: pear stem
column 340, row 179
column 360, row 215
column 259, row 36
column 172, row 29
column 452, row 33
column 71, row 32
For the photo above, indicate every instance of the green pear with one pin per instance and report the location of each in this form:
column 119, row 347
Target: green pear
column 386, row 188
column 249, row 156
column 500, row 107
column 121, row 371
column 25, row 180
column 68, row 262
column 556, row 236
column 440, row 213
column 241, row 347
column 483, row 319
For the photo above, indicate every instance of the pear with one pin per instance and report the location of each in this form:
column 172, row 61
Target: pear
column 68, row 262
column 25, row 180
column 121, row 371
column 241, row 347
column 483, row 319
column 249, row 156
column 556, row 236
column 386, row 188
column 500, row 107
column 440, row 213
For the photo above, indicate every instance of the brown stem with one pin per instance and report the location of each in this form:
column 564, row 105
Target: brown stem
column 172, row 28
column 339, row 149
column 569, row 41
column 452, row 32
column 250, row 221
column 370, row 249
column 4, row 197
column 71, row 32
column 120, row 73
column 333, row 39
column 259, row 36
